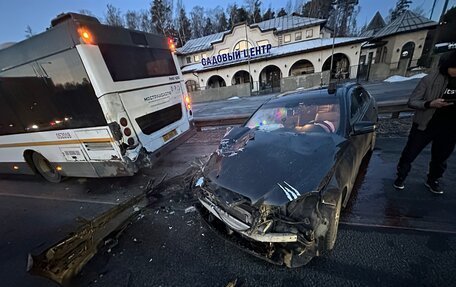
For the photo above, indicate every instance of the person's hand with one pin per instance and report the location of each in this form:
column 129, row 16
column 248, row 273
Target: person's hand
column 439, row 103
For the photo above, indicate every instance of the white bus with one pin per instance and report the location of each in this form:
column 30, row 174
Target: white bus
column 88, row 100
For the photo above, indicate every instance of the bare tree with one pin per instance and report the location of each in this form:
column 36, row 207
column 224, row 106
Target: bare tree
column 146, row 22
column 197, row 21
column 28, row 32
column 86, row 12
column 298, row 6
column 133, row 20
column 113, row 16
column 289, row 7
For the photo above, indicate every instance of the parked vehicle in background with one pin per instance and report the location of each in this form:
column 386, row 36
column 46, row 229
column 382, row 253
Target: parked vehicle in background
column 277, row 184
column 89, row 100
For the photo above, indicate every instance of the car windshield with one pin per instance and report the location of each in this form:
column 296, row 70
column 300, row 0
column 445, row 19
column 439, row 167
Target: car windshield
column 308, row 115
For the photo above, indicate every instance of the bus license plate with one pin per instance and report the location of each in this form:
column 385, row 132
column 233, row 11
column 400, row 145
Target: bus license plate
column 169, row 135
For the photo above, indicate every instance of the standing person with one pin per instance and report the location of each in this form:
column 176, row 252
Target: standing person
column 434, row 100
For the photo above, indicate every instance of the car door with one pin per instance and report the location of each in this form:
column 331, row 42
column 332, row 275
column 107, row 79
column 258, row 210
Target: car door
column 354, row 152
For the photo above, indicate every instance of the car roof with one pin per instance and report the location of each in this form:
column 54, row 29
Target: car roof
column 310, row 94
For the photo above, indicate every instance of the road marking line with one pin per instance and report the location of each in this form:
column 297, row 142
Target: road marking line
column 408, row 228
column 59, row 199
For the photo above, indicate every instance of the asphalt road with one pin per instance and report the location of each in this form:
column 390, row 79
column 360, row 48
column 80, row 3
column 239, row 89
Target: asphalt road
column 169, row 247
column 35, row 215
column 382, row 91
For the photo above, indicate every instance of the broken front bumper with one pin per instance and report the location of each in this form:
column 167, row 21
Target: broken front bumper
column 291, row 249
column 242, row 228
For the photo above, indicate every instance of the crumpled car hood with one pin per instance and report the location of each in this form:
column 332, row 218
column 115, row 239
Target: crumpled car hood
column 272, row 168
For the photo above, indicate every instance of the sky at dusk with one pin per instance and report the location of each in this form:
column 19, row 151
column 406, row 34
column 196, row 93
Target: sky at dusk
column 15, row 15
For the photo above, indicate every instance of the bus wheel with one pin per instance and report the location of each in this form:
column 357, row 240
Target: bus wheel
column 45, row 169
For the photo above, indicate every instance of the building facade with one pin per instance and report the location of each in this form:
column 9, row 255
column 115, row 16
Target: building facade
column 264, row 53
column 396, row 47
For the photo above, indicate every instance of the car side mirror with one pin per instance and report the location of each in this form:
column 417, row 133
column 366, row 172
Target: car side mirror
column 363, row 127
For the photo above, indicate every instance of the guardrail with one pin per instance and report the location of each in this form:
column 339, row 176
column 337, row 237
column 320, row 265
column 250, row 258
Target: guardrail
column 388, row 107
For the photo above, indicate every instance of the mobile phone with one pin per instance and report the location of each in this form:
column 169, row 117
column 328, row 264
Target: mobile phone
column 450, row 100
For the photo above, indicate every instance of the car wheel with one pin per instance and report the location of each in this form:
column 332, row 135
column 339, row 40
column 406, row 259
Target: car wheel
column 45, row 169
column 333, row 226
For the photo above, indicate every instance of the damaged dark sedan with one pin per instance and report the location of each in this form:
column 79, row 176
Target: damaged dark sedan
column 276, row 185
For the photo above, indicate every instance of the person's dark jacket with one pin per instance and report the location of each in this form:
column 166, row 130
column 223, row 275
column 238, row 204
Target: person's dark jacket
column 430, row 87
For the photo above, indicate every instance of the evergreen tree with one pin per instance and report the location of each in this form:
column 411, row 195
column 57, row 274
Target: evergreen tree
column 281, row 13
column 161, row 16
column 242, row 14
column 183, row 28
column 256, row 15
column 320, row 9
column 399, row 9
column 269, row 14
column 344, row 17
column 222, row 22
column 208, row 27
column 232, row 11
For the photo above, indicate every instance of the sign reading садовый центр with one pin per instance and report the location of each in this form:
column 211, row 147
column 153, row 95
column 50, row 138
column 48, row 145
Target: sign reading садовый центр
column 236, row 55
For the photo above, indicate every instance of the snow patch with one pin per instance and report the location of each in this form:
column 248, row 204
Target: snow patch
column 397, row 78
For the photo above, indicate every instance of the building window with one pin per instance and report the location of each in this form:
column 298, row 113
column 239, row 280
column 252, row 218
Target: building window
column 188, row 59
column 263, row 43
column 204, row 56
column 287, row 38
column 196, row 58
column 224, row 51
column 298, row 36
column 384, row 54
column 309, row 33
column 242, row 45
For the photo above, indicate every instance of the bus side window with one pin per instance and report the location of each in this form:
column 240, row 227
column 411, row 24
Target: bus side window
column 9, row 122
column 25, row 93
column 70, row 92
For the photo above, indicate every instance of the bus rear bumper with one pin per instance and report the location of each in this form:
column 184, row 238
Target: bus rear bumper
column 148, row 159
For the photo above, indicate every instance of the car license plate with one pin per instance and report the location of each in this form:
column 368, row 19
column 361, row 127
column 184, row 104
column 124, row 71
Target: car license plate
column 169, row 135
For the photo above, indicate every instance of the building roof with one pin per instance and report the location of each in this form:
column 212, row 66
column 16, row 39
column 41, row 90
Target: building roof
column 293, row 48
column 406, row 22
column 279, row 24
column 285, row 23
column 374, row 26
column 201, row 44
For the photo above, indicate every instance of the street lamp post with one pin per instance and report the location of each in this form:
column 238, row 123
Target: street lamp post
column 248, row 59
